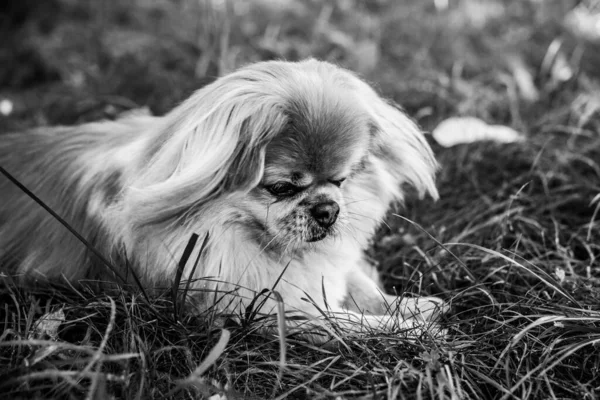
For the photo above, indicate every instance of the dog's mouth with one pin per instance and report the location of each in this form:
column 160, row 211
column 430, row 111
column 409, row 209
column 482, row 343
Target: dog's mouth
column 317, row 237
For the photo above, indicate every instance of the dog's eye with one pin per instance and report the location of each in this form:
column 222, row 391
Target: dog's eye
column 338, row 182
column 283, row 189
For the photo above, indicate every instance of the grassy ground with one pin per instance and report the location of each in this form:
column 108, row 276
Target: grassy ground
column 513, row 243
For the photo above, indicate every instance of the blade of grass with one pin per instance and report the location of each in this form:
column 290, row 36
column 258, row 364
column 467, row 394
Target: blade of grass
column 187, row 252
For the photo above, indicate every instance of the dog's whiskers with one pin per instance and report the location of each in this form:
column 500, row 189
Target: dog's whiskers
column 368, row 217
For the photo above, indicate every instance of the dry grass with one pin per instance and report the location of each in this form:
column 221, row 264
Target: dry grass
column 513, row 243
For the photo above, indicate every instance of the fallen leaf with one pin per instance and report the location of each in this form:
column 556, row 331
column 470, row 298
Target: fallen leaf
column 458, row 130
column 47, row 325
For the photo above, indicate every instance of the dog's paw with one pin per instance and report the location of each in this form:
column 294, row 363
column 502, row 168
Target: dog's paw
column 419, row 328
column 426, row 308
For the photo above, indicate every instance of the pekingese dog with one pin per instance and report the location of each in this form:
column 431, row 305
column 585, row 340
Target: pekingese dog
column 286, row 168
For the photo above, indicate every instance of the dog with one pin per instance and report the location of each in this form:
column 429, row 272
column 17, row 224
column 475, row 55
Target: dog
column 286, row 169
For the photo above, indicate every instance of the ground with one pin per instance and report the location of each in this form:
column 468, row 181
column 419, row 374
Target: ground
column 513, row 243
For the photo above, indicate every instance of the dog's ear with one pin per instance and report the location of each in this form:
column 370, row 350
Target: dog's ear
column 398, row 142
column 213, row 144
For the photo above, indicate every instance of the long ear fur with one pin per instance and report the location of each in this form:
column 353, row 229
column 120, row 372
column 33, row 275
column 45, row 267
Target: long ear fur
column 211, row 145
column 399, row 143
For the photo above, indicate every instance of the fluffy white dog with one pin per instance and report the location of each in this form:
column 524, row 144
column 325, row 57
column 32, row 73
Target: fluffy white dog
column 283, row 165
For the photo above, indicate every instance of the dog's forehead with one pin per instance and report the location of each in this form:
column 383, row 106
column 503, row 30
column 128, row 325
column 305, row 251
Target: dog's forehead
column 324, row 136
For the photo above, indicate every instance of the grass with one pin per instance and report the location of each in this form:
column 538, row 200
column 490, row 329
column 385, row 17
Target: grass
column 513, row 244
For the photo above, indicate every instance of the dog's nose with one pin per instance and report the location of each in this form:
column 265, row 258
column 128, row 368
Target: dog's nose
column 325, row 213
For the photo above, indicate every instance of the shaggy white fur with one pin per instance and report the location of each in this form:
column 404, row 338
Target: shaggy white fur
column 282, row 165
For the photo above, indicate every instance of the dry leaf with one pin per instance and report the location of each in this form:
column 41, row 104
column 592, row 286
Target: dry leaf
column 458, row 130
column 47, row 325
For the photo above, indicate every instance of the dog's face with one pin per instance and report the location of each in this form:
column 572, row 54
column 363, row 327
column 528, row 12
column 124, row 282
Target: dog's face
column 296, row 154
column 308, row 168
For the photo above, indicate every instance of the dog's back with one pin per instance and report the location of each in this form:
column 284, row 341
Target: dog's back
column 74, row 171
